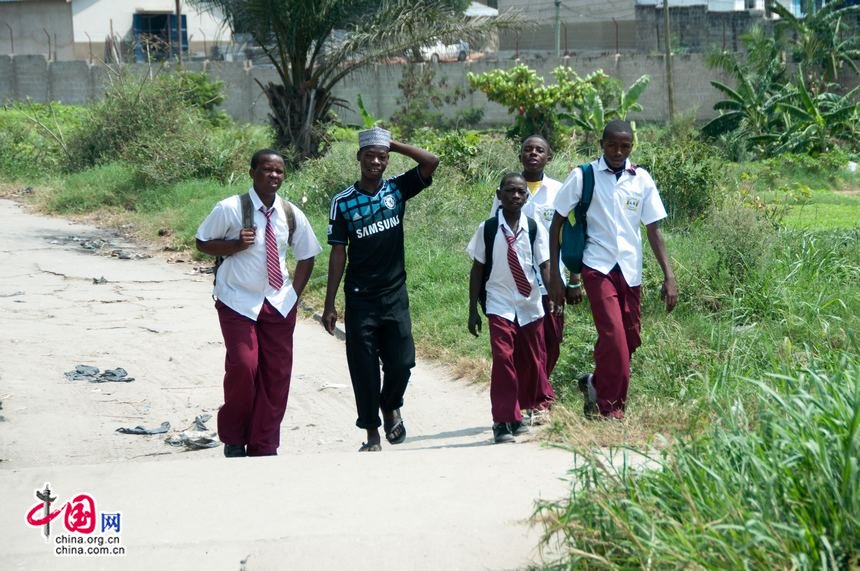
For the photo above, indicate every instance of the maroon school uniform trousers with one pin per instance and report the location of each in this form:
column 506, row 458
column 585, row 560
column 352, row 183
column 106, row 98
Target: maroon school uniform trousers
column 615, row 309
column 257, row 373
column 518, row 367
column 553, row 328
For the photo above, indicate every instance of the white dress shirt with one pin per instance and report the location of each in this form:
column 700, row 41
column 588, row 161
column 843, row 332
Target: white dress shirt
column 540, row 206
column 242, row 283
column 618, row 207
column 503, row 299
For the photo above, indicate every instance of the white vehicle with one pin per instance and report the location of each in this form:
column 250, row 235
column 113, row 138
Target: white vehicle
column 438, row 51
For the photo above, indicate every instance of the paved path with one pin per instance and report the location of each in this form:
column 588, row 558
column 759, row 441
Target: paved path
column 445, row 499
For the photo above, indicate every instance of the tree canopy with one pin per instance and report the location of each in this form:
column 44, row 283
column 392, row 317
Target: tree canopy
column 315, row 44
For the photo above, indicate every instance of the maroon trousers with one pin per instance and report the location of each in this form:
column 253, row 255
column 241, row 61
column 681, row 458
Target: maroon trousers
column 257, row 373
column 553, row 328
column 519, row 368
column 615, row 309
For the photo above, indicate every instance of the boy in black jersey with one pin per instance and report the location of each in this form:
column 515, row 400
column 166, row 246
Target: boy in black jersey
column 366, row 236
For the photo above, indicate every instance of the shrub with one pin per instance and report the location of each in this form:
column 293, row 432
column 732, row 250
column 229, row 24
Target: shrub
column 772, row 485
column 150, row 124
column 686, row 173
column 32, row 141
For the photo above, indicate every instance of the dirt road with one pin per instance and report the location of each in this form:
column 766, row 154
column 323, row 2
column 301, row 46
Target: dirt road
column 73, row 295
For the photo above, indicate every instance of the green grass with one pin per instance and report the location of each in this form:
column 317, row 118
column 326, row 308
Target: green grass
column 775, row 484
column 826, row 211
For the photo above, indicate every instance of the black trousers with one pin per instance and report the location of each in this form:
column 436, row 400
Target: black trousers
column 378, row 329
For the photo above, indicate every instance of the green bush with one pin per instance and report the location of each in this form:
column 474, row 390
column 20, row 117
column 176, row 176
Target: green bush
column 687, row 175
column 150, row 125
column 32, row 137
column 775, row 484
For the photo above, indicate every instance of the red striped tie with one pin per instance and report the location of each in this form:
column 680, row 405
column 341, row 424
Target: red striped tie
column 523, row 285
column 273, row 263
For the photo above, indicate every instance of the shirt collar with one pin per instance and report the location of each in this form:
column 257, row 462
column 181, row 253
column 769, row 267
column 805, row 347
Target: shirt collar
column 523, row 223
column 629, row 167
column 258, row 203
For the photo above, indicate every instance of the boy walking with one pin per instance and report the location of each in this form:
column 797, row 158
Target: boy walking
column 256, row 304
column 535, row 153
column 366, row 237
column 513, row 305
column 624, row 197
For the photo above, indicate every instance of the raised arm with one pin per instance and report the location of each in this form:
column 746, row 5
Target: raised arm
column 669, row 289
column 427, row 161
column 336, row 265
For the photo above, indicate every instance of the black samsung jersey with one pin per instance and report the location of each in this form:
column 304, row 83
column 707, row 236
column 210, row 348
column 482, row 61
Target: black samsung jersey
column 371, row 227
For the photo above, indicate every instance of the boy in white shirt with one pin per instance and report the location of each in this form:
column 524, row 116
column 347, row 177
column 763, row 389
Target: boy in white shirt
column 256, row 303
column 625, row 196
column 535, row 153
column 513, row 305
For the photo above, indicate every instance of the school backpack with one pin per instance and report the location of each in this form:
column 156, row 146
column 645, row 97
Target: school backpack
column 248, row 222
column 574, row 231
column 491, row 227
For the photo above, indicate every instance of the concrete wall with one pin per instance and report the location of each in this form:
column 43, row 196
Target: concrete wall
column 77, row 82
column 37, row 27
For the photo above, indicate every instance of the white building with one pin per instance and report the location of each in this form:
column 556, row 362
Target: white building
column 82, row 29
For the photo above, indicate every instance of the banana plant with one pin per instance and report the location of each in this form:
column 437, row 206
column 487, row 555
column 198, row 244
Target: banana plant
column 815, row 122
column 591, row 113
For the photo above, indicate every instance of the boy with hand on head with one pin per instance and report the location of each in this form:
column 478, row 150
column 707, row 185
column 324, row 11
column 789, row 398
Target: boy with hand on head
column 535, row 153
column 256, row 303
column 366, row 236
column 624, row 197
column 513, row 304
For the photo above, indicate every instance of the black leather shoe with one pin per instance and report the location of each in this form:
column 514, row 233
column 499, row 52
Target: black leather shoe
column 234, row 451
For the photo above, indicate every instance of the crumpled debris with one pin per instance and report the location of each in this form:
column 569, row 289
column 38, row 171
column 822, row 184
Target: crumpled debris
column 91, row 244
column 100, row 280
column 165, row 426
column 200, row 422
column 197, row 437
column 126, row 255
column 194, row 440
column 91, row 374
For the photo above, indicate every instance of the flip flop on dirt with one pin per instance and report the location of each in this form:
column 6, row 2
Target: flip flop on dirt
column 395, row 433
column 367, row 447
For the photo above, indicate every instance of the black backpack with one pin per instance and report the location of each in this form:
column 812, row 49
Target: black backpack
column 491, row 227
column 248, row 222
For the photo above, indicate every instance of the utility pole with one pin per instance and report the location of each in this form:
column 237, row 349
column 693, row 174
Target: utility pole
column 557, row 28
column 179, row 31
column 667, row 43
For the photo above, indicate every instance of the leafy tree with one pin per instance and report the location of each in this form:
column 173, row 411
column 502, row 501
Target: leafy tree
column 759, row 80
column 814, row 123
column 538, row 107
column 820, row 40
column 593, row 111
column 314, row 44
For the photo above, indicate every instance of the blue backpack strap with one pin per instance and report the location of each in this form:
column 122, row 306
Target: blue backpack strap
column 587, row 192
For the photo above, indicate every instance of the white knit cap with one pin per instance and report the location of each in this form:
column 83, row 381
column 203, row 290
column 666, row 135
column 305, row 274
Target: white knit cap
column 374, row 137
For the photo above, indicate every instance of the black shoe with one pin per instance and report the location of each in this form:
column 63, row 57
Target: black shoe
column 519, row 428
column 589, row 393
column 234, row 451
column 502, row 433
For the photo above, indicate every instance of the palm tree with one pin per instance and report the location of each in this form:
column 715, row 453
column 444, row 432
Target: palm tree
column 315, row 44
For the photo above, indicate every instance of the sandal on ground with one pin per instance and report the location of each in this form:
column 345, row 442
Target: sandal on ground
column 396, row 432
column 366, row 447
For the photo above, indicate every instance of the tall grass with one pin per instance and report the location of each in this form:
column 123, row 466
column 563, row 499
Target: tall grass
column 774, row 484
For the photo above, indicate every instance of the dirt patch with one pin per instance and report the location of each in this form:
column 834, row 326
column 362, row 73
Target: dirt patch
column 850, row 192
